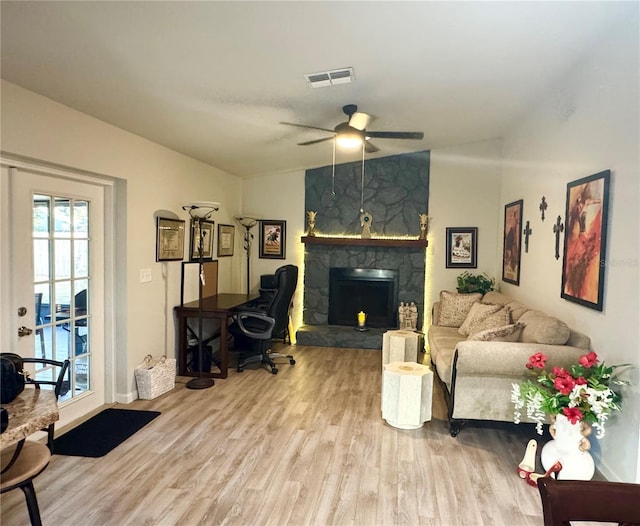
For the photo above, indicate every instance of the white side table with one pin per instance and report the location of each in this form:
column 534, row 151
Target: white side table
column 401, row 346
column 407, row 391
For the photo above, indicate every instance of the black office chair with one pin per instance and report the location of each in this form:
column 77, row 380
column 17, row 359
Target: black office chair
column 256, row 329
column 588, row 500
column 57, row 381
column 80, row 310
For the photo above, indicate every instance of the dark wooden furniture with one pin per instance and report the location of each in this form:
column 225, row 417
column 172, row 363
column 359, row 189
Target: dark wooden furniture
column 218, row 307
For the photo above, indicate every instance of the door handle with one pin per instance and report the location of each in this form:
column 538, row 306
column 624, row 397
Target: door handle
column 24, row 331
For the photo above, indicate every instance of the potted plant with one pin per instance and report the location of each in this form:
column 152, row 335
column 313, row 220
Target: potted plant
column 468, row 283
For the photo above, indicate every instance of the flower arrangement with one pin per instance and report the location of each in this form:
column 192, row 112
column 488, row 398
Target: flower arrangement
column 581, row 394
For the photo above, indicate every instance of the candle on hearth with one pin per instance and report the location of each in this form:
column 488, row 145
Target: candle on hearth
column 362, row 317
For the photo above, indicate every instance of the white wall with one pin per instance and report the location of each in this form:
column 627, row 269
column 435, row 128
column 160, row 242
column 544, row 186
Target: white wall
column 150, row 178
column 464, row 191
column 587, row 124
column 279, row 197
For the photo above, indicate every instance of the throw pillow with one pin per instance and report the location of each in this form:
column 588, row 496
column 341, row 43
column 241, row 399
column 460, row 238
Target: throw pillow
column 508, row 333
column 455, row 307
column 540, row 328
column 517, row 310
column 493, row 297
column 498, row 319
column 478, row 312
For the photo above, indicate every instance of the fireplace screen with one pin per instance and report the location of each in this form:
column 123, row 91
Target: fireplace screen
column 374, row 291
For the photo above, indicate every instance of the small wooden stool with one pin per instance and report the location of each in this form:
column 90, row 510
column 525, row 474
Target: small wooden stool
column 401, row 346
column 407, row 390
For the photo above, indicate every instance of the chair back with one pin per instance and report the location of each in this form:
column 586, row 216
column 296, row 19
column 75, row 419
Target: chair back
column 60, row 383
column 38, row 307
column 588, row 500
column 286, row 280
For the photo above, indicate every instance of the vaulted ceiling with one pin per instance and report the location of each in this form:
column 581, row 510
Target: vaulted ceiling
column 214, row 79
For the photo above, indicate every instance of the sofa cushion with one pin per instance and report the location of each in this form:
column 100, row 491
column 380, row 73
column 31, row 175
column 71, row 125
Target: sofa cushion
column 506, row 333
column 496, row 298
column 540, row 328
column 499, row 318
column 478, row 312
column 455, row 307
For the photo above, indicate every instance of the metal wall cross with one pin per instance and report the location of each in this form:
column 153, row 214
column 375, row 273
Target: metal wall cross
column 543, row 206
column 557, row 229
column 527, row 232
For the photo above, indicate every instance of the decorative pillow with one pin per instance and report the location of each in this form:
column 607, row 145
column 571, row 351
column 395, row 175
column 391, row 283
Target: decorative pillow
column 455, row 307
column 517, row 310
column 498, row 319
column 493, row 297
column 478, row 312
column 508, row 333
column 540, row 328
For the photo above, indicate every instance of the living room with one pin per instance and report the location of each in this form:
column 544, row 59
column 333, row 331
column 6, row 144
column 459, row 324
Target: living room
column 584, row 123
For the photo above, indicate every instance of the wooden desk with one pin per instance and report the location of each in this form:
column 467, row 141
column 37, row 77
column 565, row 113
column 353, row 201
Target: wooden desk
column 31, row 411
column 218, row 307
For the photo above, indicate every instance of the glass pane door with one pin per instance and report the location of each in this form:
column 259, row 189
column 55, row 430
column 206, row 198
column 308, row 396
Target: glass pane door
column 62, row 286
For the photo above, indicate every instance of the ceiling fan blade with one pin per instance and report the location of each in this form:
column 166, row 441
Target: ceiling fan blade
column 359, row 120
column 395, row 135
column 370, row 148
column 306, row 126
column 315, row 142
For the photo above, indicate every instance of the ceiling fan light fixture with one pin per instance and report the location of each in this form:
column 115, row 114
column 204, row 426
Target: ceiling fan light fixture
column 349, row 141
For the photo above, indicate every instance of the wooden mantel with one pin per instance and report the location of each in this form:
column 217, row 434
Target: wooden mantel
column 359, row 242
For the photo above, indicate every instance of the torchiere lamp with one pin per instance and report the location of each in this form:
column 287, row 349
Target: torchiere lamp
column 248, row 223
column 200, row 211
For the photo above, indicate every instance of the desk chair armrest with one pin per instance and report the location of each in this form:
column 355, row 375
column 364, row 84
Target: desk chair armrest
column 266, row 324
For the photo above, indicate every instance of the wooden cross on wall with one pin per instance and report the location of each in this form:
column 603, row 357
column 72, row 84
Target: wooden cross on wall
column 557, row 229
column 527, row 232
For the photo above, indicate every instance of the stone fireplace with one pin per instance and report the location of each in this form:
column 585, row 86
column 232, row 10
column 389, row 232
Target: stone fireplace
column 395, row 192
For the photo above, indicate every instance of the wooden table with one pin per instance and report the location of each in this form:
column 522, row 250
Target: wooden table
column 32, row 411
column 218, row 307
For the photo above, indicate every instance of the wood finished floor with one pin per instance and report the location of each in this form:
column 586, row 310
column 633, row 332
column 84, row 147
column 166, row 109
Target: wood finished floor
column 307, row 446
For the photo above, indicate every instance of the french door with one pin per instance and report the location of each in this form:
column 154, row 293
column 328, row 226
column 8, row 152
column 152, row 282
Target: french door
column 56, row 280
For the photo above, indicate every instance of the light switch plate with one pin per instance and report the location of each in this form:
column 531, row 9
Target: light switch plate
column 145, row 275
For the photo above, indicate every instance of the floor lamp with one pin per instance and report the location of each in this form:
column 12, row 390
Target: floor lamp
column 248, row 223
column 199, row 212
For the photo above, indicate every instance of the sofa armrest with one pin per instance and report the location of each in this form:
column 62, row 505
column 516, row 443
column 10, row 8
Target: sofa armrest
column 509, row 358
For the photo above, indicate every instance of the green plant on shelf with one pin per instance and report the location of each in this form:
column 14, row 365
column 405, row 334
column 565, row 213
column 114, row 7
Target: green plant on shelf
column 468, row 283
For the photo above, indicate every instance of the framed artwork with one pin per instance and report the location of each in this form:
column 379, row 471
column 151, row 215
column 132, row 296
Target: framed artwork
column 512, row 247
column 462, row 247
column 205, row 229
column 226, row 240
column 273, row 237
column 585, row 240
column 169, row 239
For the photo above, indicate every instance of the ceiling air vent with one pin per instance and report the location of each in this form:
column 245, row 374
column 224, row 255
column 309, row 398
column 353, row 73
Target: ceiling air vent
column 330, row 78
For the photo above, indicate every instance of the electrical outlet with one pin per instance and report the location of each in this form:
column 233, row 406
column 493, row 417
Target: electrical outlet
column 145, row 275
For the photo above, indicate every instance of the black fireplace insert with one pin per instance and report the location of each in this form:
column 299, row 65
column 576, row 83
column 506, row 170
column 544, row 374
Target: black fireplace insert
column 373, row 291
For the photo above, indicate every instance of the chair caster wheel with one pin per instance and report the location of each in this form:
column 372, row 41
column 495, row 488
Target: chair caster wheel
column 292, row 361
column 274, row 370
column 240, row 369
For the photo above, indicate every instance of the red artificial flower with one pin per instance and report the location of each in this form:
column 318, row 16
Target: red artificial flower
column 573, row 414
column 588, row 360
column 537, row 361
column 559, row 372
column 564, row 384
column 581, row 381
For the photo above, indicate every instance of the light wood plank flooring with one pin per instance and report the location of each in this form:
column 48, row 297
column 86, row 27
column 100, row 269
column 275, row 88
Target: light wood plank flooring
column 307, row 446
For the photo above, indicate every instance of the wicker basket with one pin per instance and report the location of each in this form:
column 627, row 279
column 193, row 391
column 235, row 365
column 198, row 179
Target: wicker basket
column 155, row 377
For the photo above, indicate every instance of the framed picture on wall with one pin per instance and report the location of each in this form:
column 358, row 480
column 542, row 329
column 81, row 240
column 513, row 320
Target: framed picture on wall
column 462, row 247
column 512, row 246
column 169, row 239
column 585, row 240
column 226, row 240
column 273, row 237
column 205, row 229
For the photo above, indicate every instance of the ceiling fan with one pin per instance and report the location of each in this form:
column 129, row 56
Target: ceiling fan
column 353, row 132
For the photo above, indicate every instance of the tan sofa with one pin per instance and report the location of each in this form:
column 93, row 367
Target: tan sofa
column 478, row 368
